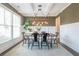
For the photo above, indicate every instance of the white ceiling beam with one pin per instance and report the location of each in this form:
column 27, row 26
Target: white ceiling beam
column 51, row 7
column 32, row 5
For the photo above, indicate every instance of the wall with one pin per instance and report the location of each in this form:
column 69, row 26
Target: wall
column 50, row 20
column 49, row 28
column 69, row 30
column 57, row 29
column 70, row 14
column 70, row 35
column 7, row 45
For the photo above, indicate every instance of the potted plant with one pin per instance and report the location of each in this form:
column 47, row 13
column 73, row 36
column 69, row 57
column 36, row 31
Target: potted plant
column 26, row 25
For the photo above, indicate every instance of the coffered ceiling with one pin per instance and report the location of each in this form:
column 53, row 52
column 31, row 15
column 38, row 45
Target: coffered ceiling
column 39, row 9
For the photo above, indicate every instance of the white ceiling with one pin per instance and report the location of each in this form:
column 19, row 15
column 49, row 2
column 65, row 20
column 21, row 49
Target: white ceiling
column 47, row 9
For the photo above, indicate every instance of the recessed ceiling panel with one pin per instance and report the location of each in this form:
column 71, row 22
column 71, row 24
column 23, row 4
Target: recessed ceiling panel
column 39, row 9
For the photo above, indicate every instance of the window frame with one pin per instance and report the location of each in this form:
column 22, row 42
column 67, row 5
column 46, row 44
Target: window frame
column 12, row 12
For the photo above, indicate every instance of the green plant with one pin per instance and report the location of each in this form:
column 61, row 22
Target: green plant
column 27, row 24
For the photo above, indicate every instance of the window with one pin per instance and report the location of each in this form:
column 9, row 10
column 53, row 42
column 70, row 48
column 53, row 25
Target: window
column 16, row 32
column 9, row 25
column 16, row 25
column 8, row 17
column 16, row 20
column 1, row 15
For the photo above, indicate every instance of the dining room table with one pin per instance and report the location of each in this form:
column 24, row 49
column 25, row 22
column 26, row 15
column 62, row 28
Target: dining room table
column 50, row 38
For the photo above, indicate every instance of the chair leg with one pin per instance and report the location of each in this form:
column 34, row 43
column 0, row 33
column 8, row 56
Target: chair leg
column 23, row 42
column 38, row 45
column 28, row 43
column 51, row 44
column 32, row 44
column 54, row 41
column 47, row 44
column 41, row 44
